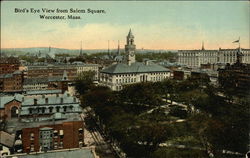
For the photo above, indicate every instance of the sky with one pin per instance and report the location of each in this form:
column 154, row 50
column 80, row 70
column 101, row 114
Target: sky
column 155, row 25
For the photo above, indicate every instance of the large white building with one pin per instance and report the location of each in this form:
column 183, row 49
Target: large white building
column 194, row 58
column 129, row 71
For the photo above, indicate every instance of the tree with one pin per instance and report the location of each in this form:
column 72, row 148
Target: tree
column 84, row 82
column 228, row 84
column 141, row 94
column 178, row 153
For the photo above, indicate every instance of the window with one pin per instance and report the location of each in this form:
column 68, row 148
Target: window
column 61, row 144
column 50, row 109
column 32, row 148
column 31, row 136
column 43, row 110
column 57, row 109
column 65, row 108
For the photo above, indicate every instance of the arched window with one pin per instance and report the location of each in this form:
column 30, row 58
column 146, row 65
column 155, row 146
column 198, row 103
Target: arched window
column 50, row 109
column 64, row 108
column 57, row 109
column 14, row 112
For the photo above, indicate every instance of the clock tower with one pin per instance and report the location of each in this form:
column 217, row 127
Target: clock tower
column 130, row 48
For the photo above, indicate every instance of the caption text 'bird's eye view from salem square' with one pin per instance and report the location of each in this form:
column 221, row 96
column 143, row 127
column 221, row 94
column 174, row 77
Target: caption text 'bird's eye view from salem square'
column 125, row 79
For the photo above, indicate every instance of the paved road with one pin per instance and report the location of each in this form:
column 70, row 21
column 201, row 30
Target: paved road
column 95, row 138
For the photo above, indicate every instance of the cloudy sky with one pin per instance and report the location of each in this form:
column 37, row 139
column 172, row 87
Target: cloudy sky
column 156, row 25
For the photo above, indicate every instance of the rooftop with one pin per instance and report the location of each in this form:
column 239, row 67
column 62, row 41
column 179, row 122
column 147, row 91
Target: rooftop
column 9, row 75
column 66, row 153
column 39, row 92
column 137, row 67
column 6, row 139
column 52, row 99
column 7, row 98
column 28, row 81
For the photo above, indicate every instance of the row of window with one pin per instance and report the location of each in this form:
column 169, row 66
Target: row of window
column 50, row 109
column 126, row 80
column 131, row 75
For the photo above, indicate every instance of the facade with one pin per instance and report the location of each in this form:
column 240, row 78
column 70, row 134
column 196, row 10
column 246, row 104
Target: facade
column 11, row 82
column 46, row 83
column 195, row 58
column 8, row 65
column 129, row 71
column 51, row 137
column 42, row 107
column 82, row 67
column 10, row 106
column 31, row 84
column 34, row 71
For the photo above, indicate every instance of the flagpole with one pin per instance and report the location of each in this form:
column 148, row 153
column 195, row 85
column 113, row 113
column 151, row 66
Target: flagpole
column 239, row 42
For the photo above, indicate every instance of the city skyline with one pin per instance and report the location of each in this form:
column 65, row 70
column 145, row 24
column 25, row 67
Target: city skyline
column 156, row 25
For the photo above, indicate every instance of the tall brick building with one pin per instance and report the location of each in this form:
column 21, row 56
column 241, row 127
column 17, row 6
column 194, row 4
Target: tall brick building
column 8, row 65
column 34, row 71
column 51, row 137
column 11, row 82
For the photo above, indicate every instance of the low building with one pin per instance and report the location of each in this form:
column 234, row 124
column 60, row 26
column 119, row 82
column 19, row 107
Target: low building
column 118, row 75
column 11, row 82
column 10, row 106
column 42, row 107
column 82, row 67
column 51, row 137
column 44, row 92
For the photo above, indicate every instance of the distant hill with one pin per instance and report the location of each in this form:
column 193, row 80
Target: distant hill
column 53, row 51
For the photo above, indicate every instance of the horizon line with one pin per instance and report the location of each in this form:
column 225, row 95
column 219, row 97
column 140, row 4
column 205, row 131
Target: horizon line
column 120, row 48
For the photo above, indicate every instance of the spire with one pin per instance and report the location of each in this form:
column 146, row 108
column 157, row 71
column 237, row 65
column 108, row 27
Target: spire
column 202, row 46
column 81, row 49
column 118, row 51
column 108, row 48
column 130, row 33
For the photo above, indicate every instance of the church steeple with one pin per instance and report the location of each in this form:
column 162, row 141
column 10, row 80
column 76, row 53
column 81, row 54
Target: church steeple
column 81, row 50
column 118, row 50
column 130, row 48
column 202, row 48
